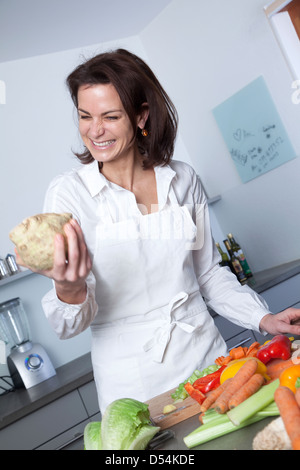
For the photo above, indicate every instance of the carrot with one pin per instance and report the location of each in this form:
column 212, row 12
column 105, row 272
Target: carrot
column 241, row 377
column 254, row 345
column 297, row 396
column 290, row 414
column 223, row 361
column 213, row 395
column 253, row 348
column 276, row 366
column 248, row 389
column 237, row 353
column 252, row 353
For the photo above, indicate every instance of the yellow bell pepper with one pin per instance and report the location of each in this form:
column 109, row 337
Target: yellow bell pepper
column 289, row 376
column 234, row 366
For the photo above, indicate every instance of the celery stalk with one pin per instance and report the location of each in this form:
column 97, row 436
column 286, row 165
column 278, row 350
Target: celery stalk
column 270, row 410
column 253, row 404
column 219, row 425
column 216, row 428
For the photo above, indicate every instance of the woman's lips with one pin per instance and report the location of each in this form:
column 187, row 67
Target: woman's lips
column 104, row 144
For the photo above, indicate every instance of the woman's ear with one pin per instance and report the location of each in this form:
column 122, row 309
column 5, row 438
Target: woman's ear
column 143, row 116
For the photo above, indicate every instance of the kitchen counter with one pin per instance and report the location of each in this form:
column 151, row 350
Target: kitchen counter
column 237, row 440
column 268, row 278
column 20, row 403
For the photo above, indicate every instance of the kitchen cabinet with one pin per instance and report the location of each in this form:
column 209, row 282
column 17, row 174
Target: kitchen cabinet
column 73, row 437
column 56, row 425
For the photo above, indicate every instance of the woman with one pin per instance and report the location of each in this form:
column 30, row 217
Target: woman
column 141, row 257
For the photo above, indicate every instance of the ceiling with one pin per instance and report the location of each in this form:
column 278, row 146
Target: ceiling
column 34, row 27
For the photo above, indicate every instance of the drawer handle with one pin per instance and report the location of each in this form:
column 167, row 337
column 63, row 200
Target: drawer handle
column 240, row 343
column 74, row 439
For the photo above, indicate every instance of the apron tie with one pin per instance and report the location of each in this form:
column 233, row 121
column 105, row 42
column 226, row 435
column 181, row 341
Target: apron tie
column 162, row 335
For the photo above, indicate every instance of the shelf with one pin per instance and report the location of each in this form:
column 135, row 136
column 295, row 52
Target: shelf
column 212, row 200
column 15, row 277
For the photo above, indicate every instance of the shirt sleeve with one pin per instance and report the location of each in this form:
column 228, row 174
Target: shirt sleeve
column 220, row 288
column 67, row 320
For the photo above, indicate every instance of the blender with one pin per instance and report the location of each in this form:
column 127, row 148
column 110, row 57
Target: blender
column 28, row 363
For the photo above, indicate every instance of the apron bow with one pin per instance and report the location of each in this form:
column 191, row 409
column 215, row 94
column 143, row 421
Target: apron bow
column 162, row 335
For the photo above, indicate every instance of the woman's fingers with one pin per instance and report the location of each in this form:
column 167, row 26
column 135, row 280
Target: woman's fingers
column 85, row 264
column 60, row 264
column 78, row 264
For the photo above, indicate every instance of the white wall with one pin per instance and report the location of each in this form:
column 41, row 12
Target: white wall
column 205, row 51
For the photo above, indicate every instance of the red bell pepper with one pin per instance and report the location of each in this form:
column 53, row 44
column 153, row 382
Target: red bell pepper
column 278, row 348
column 209, row 382
column 194, row 393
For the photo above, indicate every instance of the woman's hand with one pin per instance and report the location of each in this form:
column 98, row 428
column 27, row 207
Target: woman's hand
column 69, row 275
column 287, row 321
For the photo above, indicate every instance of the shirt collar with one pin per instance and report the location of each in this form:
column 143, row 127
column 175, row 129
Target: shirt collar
column 92, row 178
column 95, row 181
column 164, row 175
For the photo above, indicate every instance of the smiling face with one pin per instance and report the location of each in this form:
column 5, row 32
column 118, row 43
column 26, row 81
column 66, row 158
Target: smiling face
column 104, row 125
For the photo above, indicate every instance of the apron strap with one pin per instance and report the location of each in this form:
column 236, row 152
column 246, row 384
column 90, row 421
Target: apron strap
column 162, row 335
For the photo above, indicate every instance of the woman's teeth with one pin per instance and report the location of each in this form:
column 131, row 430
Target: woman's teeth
column 103, row 144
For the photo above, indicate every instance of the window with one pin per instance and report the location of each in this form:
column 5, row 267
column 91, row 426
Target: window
column 284, row 17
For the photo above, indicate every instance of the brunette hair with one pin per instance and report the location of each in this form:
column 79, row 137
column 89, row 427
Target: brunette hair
column 136, row 85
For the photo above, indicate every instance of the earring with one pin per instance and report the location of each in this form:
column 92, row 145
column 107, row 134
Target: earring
column 144, row 132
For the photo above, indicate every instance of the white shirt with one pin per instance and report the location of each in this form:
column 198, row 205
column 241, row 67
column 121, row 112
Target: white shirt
column 88, row 195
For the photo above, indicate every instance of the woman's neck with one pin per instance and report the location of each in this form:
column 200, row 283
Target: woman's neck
column 125, row 171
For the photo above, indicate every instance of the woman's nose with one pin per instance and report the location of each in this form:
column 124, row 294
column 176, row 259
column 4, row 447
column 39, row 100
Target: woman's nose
column 97, row 128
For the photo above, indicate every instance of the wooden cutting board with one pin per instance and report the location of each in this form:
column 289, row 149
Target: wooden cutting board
column 184, row 410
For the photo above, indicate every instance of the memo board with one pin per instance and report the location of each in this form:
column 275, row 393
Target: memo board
column 253, row 131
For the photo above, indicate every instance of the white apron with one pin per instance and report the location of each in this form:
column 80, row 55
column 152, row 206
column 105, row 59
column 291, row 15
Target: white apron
column 153, row 328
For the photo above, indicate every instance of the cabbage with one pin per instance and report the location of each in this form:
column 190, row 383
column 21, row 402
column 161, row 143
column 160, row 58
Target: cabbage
column 125, row 425
column 92, row 436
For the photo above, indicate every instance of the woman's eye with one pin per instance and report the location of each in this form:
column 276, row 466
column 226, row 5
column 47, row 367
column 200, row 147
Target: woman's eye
column 83, row 116
column 112, row 118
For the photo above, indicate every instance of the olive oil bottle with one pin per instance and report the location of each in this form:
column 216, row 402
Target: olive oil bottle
column 225, row 258
column 237, row 250
column 238, row 270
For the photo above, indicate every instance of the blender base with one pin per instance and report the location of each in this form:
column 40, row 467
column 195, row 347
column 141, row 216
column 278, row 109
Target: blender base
column 29, row 365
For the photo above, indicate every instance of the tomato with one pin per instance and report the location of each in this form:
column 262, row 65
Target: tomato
column 289, row 376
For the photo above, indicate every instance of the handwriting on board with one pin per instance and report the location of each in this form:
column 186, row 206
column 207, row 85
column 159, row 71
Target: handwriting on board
column 253, row 131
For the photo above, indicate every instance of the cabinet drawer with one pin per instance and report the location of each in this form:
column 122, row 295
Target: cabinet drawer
column 89, row 396
column 243, row 339
column 66, row 438
column 71, row 439
column 44, row 424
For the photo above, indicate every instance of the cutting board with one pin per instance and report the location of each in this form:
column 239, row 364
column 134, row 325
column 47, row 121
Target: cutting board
column 184, row 410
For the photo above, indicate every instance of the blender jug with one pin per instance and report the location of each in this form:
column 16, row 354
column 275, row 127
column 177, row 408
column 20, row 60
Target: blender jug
column 28, row 362
column 14, row 327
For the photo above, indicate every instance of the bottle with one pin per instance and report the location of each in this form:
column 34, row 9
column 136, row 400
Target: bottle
column 237, row 250
column 238, row 270
column 225, row 259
